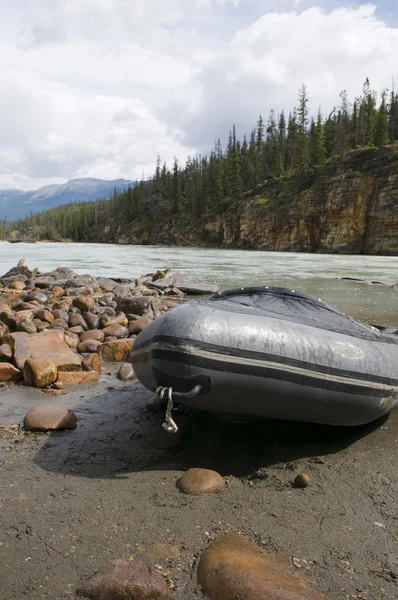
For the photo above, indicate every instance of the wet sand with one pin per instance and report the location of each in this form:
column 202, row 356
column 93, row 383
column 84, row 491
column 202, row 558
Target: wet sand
column 70, row 501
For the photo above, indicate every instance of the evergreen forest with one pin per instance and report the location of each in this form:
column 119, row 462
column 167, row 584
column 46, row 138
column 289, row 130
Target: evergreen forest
column 277, row 147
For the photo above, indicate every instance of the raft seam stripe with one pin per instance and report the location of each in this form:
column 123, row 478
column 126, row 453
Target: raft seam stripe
column 270, row 365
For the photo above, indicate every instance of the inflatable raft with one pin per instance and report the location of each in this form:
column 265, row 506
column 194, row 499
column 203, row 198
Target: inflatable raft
column 270, row 352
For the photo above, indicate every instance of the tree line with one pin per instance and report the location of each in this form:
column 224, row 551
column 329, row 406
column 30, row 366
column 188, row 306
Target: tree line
column 209, row 185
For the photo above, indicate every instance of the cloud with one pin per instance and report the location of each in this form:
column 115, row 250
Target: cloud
column 101, row 87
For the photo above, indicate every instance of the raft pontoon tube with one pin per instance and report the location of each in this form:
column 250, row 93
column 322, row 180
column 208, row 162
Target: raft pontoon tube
column 270, row 352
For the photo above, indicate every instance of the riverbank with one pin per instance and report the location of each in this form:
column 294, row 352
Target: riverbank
column 73, row 500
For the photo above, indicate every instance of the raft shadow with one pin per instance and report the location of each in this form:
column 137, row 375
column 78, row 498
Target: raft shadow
column 117, row 434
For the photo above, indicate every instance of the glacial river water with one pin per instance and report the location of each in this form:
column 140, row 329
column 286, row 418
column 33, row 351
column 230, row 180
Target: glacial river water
column 316, row 274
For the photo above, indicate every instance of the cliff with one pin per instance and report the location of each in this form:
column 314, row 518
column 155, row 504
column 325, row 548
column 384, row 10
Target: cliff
column 348, row 206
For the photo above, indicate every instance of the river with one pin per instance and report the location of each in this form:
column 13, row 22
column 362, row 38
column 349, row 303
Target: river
column 316, row 274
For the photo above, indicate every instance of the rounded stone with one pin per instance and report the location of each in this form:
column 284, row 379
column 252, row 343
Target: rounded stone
column 25, row 324
column 119, row 331
column 302, row 480
column 139, row 324
column 58, row 313
column 92, row 320
column 89, row 346
column 93, row 334
column 75, row 320
column 84, row 303
column 59, row 323
column 200, row 481
column 17, row 285
column 47, row 417
column 232, row 567
column 45, row 315
column 126, row 372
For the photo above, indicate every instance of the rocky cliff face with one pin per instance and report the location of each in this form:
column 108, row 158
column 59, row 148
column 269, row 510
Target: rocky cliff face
column 343, row 208
column 354, row 210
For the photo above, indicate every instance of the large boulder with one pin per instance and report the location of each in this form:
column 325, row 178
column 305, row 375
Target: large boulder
column 47, row 417
column 126, row 580
column 48, row 345
column 8, row 372
column 39, row 373
column 232, row 567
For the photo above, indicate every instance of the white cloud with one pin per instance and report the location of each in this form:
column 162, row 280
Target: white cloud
column 100, row 87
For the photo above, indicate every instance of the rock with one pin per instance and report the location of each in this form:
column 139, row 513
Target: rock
column 42, row 283
column 8, row 372
column 42, row 326
column 17, row 285
column 45, row 315
column 59, row 323
column 59, row 313
column 39, row 373
column 119, row 319
column 158, row 275
column 5, row 353
column 77, row 330
column 126, row 372
column 117, row 351
column 302, row 480
column 28, row 314
column 138, row 305
column 126, row 580
column 232, row 567
column 200, row 481
column 57, row 291
column 111, row 338
column 71, row 339
column 25, row 324
column 92, row 362
column 92, row 320
column 4, row 329
column 89, row 346
column 93, row 334
column 139, row 324
column 49, row 345
column 84, row 303
column 77, row 377
column 47, row 417
column 116, row 330
column 40, row 297
column 75, row 320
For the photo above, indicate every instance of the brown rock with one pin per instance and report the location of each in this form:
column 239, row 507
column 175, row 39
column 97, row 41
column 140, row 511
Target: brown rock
column 119, row 319
column 138, row 324
column 42, row 326
column 47, row 417
column 8, row 372
column 126, row 372
column 40, row 297
column 302, row 480
column 158, row 275
column 84, row 303
column 10, row 321
column 93, row 334
column 92, row 362
column 126, row 580
column 78, row 330
column 117, row 351
column 232, row 567
column 111, row 338
column 137, row 305
column 89, row 346
column 25, row 324
column 4, row 329
column 118, row 331
column 59, row 323
column 75, row 320
column 27, row 313
column 17, row 285
column 45, row 315
column 71, row 339
column 47, row 344
column 201, row 481
column 92, row 320
column 57, row 291
column 39, row 373
column 77, row 377
column 60, row 314
column 5, row 353
column 42, row 283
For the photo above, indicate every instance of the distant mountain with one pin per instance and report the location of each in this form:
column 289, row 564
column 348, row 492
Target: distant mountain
column 15, row 204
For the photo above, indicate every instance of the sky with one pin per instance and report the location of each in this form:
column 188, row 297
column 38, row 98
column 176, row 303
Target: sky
column 100, row 88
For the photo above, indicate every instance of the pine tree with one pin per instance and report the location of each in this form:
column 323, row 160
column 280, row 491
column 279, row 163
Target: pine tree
column 381, row 130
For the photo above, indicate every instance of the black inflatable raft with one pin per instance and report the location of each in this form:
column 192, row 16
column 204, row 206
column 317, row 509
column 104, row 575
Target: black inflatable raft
column 271, row 352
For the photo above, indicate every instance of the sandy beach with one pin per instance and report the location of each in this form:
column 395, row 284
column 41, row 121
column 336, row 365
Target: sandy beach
column 70, row 501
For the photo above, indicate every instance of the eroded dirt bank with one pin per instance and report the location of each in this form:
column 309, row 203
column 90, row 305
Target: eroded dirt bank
column 72, row 500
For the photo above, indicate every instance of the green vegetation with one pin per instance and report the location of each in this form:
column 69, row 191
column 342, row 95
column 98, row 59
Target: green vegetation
column 210, row 185
column 4, row 229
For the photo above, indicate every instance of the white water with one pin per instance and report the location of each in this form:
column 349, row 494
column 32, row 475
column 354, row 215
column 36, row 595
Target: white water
column 316, row 274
